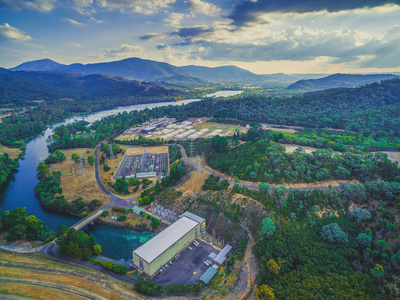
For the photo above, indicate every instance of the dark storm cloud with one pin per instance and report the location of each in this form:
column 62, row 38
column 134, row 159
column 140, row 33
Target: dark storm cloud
column 249, row 11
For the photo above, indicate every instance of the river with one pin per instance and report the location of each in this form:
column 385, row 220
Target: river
column 19, row 189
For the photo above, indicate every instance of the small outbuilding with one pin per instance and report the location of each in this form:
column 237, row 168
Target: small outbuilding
column 208, row 275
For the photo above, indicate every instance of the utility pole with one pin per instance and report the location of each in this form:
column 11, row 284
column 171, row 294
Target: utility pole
column 191, row 148
column 112, row 156
column 81, row 163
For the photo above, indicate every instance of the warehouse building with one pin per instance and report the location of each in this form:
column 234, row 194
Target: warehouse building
column 159, row 250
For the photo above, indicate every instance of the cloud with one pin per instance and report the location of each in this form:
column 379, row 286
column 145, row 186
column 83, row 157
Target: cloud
column 74, row 44
column 202, row 7
column 174, row 19
column 96, row 20
column 248, row 12
column 39, row 5
column 12, row 33
column 152, row 36
column 124, row 50
column 162, row 47
column 124, row 6
column 296, row 43
column 378, row 52
column 73, row 22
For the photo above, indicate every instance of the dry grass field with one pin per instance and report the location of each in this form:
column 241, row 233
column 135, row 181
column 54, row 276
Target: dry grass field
column 38, row 277
column 75, row 184
column 228, row 129
column 12, row 152
column 139, row 150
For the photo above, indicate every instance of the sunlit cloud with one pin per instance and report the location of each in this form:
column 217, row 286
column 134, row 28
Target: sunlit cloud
column 39, row 5
column 202, row 7
column 124, row 51
column 74, row 22
column 12, row 33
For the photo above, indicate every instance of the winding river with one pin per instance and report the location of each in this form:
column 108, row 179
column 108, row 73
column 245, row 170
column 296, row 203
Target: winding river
column 19, row 189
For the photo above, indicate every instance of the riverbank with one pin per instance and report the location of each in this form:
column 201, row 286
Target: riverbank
column 19, row 246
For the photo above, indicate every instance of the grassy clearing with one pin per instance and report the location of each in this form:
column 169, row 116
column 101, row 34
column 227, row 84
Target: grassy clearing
column 36, row 292
column 73, row 183
column 228, row 129
column 12, row 152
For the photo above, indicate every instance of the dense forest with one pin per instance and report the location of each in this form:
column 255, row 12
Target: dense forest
column 20, row 226
column 266, row 161
column 372, row 110
column 328, row 244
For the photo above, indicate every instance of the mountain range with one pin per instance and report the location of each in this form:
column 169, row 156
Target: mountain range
column 193, row 76
column 28, row 86
column 339, row 81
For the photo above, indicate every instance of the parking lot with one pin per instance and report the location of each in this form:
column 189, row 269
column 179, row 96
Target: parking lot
column 188, row 267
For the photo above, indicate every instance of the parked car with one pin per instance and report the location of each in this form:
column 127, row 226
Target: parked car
column 190, row 248
column 207, row 264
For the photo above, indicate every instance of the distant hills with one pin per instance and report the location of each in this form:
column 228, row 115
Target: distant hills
column 194, row 76
column 339, row 81
column 222, row 74
column 28, row 86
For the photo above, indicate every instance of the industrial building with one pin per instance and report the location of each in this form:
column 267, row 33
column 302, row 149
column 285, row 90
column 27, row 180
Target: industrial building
column 221, row 257
column 148, row 129
column 159, row 250
column 142, row 162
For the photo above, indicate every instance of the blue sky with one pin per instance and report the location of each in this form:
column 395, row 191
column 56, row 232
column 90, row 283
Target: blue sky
column 263, row 36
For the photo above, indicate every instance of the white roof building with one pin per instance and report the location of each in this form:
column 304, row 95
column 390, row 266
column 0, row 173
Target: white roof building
column 165, row 239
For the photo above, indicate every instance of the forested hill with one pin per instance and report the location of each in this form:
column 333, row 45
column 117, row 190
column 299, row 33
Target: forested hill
column 339, row 81
column 28, row 86
column 371, row 108
column 222, row 74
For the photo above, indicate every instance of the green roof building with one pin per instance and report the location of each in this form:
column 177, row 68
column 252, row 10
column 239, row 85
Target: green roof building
column 208, row 275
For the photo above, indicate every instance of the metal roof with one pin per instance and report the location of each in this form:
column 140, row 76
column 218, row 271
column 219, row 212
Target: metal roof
column 137, row 209
column 152, row 249
column 221, row 257
column 212, row 255
column 193, row 217
column 208, row 275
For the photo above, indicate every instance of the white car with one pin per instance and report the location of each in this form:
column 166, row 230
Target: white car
column 190, row 248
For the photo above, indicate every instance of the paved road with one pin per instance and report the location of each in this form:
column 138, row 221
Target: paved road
column 115, row 200
column 48, row 250
column 254, row 186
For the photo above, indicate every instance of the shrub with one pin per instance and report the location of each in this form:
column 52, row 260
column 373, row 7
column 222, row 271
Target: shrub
column 121, row 218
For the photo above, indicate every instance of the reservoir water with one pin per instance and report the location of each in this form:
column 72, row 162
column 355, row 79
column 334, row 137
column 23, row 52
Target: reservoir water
column 224, row 94
column 18, row 192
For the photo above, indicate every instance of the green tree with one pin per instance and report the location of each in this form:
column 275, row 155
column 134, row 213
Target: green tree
column 334, row 234
column 364, row 240
column 91, row 160
column 264, row 292
column 268, row 227
column 97, row 250
column 42, row 171
column 273, row 267
column 378, row 272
